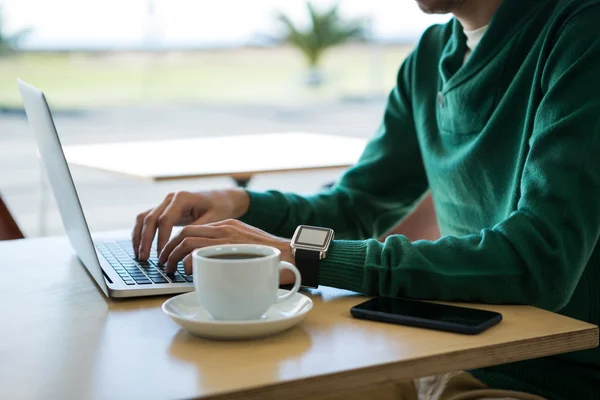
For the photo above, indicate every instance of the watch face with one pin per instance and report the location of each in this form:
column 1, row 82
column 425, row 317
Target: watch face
column 312, row 236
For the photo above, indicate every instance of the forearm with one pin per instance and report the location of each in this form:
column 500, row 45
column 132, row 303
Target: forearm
column 515, row 262
column 280, row 213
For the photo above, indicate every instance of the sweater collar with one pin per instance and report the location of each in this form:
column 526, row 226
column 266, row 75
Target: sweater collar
column 507, row 21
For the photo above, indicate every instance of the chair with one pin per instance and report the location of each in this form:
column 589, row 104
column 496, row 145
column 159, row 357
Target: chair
column 420, row 224
column 9, row 229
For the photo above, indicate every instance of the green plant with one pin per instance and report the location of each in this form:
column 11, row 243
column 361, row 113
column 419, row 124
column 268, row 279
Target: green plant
column 326, row 29
column 9, row 42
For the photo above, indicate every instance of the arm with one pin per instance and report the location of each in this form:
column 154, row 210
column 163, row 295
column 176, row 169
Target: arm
column 538, row 254
column 371, row 196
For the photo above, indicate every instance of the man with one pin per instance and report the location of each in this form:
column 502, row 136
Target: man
column 497, row 113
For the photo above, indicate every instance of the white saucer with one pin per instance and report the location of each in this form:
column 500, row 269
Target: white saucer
column 187, row 312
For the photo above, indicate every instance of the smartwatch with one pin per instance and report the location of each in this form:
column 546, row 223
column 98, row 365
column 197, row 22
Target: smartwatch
column 309, row 246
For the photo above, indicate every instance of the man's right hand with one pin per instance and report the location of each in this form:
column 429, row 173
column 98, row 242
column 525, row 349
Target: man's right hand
column 185, row 208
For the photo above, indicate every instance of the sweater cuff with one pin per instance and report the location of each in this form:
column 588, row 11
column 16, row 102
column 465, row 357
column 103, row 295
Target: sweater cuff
column 343, row 268
column 264, row 211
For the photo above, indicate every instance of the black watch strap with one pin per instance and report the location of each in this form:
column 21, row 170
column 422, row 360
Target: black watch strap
column 307, row 262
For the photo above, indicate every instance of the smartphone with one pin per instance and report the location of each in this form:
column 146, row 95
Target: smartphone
column 426, row 315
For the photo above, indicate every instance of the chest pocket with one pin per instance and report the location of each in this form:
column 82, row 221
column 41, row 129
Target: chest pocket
column 461, row 111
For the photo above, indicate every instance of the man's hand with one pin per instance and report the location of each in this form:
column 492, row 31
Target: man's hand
column 185, row 208
column 230, row 231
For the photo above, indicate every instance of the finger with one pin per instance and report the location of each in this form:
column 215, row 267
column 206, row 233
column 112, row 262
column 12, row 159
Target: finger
column 185, row 247
column 137, row 231
column 207, row 218
column 190, row 231
column 149, row 228
column 167, row 221
column 187, row 264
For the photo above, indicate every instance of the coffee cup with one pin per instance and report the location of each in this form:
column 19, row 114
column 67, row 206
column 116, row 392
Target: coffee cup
column 238, row 282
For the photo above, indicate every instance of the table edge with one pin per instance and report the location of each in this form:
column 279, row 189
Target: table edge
column 233, row 175
column 356, row 379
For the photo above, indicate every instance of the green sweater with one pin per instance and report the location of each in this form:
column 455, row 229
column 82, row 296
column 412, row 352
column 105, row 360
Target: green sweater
column 509, row 145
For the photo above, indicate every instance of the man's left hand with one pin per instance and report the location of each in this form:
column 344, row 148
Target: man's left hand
column 230, row 231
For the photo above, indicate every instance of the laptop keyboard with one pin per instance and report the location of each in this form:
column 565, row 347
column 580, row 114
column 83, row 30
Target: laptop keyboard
column 120, row 256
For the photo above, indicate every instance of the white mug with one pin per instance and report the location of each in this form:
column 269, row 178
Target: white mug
column 237, row 289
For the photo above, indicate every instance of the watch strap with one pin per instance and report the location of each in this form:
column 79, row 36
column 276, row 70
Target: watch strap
column 307, row 262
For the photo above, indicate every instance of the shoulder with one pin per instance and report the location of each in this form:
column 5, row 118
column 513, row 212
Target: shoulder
column 570, row 6
column 571, row 49
column 582, row 13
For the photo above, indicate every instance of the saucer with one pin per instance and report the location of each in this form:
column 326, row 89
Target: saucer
column 187, row 312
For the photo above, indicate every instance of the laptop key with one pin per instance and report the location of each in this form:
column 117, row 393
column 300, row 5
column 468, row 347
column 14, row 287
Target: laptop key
column 159, row 279
column 159, row 266
column 142, row 281
column 179, row 279
column 128, row 264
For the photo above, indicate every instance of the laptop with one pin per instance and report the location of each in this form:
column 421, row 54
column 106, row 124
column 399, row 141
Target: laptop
column 111, row 263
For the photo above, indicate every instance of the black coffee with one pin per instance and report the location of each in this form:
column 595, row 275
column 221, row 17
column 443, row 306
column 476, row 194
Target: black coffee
column 235, row 256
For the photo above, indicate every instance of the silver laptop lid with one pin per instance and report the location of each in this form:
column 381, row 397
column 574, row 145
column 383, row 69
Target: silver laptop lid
column 61, row 181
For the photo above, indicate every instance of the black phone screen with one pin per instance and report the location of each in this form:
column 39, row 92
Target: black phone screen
column 419, row 310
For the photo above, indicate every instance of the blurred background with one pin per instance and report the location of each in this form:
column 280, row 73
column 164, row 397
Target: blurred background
column 122, row 70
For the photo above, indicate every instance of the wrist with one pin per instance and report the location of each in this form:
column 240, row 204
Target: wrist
column 286, row 277
column 240, row 200
column 286, row 252
column 310, row 245
column 283, row 245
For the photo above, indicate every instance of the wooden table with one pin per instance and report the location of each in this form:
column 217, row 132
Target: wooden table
column 239, row 157
column 61, row 339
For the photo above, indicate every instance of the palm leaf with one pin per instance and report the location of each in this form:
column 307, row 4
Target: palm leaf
column 327, row 29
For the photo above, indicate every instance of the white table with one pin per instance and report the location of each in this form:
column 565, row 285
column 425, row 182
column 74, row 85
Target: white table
column 239, row 157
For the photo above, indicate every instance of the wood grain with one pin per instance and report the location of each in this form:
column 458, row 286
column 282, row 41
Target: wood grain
column 60, row 338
